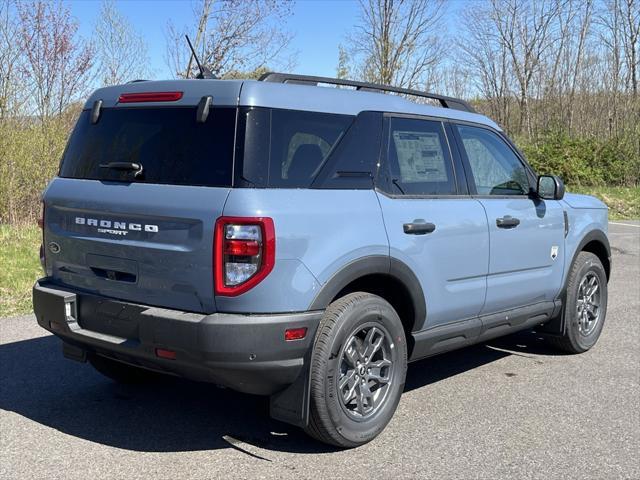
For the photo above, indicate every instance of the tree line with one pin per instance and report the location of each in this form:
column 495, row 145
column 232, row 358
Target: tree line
column 561, row 76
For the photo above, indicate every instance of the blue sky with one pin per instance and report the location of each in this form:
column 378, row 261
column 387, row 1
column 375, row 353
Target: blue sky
column 319, row 26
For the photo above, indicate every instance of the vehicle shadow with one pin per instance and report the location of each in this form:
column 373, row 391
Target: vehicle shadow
column 175, row 415
column 440, row 367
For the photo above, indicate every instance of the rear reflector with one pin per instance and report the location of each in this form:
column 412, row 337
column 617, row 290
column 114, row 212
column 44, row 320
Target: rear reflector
column 163, row 353
column 149, row 97
column 295, row 333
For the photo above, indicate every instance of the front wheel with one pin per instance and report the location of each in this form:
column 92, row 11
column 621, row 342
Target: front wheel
column 358, row 370
column 586, row 304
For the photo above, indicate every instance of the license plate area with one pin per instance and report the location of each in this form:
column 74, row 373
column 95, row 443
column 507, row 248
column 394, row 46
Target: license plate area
column 110, row 317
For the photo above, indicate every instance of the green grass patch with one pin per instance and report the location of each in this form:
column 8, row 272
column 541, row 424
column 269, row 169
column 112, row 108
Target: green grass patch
column 19, row 268
column 623, row 202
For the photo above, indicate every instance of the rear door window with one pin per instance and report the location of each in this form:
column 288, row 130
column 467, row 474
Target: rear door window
column 419, row 158
column 168, row 143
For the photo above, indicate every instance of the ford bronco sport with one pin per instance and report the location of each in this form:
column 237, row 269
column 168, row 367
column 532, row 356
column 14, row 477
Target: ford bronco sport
column 281, row 237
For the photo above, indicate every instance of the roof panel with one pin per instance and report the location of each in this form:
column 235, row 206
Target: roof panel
column 343, row 100
column 283, row 95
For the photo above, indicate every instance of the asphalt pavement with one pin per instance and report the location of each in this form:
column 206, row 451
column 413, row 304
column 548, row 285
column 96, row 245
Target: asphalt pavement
column 513, row 408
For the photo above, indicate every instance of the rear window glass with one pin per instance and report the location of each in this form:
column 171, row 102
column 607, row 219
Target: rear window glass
column 168, row 143
column 287, row 148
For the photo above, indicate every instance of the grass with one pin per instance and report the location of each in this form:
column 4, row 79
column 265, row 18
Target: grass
column 20, row 265
column 19, row 268
column 623, row 202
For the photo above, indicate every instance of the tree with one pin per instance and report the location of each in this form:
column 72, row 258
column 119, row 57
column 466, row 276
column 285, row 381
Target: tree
column 12, row 84
column 631, row 41
column 398, row 42
column 121, row 54
column 526, row 30
column 57, row 62
column 487, row 60
column 343, row 70
column 236, row 36
column 619, row 33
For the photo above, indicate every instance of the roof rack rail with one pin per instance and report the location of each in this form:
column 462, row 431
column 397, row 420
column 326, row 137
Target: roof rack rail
column 446, row 102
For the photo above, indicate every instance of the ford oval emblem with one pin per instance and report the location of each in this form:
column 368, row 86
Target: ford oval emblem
column 54, row 247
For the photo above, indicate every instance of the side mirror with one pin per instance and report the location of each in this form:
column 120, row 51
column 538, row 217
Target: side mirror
column 550, row 187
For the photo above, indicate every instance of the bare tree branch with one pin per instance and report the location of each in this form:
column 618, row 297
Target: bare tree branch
column 57, row 63
column 121, row 53
column 398, row 42
column 238, row 36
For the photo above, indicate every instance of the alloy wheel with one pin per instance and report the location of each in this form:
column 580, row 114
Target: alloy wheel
column 588, row 303
column 366, row 369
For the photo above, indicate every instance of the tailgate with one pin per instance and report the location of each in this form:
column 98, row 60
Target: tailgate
column 141, row 242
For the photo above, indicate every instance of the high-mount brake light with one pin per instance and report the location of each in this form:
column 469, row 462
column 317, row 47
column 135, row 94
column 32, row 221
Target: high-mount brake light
column 244, row 251
column 149, row 97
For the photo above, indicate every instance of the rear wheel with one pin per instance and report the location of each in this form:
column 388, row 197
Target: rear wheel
column 586, row 304
column 358, row 370
column 121, row 372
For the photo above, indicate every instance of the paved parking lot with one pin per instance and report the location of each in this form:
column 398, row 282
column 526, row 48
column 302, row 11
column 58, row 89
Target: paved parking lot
column 512, row 408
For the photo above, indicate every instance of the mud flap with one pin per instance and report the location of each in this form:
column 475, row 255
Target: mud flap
column 291, row 405
column 555, row 326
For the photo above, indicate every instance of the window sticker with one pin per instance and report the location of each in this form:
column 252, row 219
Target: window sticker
column 420, row 156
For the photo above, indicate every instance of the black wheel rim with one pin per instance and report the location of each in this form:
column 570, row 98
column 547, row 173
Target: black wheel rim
column 588, row 303
column 366, row 371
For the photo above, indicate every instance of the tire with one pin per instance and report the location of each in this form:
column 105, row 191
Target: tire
column 340, row 355
column 580, row 332
column 121, row 372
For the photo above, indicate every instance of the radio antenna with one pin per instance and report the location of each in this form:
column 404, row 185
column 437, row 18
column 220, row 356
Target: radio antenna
column 204, row 71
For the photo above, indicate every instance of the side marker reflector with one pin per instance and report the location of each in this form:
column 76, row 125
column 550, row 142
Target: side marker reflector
column 164, row 353
column 295, row 333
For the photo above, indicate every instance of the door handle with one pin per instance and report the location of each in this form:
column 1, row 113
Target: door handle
column 418, row 228
column 507, row 222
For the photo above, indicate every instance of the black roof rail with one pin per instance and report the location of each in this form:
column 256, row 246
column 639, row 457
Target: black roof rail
column 446, row 102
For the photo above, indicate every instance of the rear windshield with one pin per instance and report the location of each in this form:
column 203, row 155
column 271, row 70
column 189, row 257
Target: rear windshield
column 169, row 144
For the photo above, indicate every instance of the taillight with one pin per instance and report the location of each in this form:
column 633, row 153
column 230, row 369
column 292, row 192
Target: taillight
column 244, row 253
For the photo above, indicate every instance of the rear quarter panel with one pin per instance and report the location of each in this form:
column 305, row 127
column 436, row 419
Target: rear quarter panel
column 317, row 233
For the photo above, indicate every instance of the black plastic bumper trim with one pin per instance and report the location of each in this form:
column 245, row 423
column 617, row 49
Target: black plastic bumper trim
column 247, row 353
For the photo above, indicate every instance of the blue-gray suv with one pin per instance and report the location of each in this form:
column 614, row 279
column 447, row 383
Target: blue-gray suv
column 304, row 238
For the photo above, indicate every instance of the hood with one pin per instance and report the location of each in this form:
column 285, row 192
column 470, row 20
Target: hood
column 576, row 200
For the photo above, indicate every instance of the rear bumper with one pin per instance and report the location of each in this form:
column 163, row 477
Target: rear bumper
column 247, row 353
